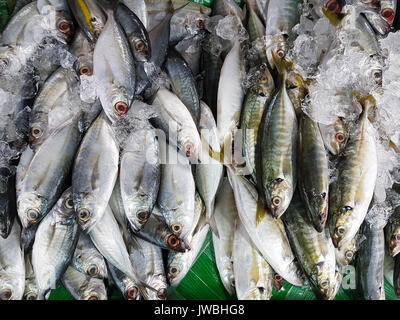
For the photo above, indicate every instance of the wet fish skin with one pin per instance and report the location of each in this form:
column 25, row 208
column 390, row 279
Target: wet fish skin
column 253, row 275
column 12, row 266
column 46, row 176
column 314, row 250
column 83, row 287
column 140, row 177
column 135, row 31
column 225, row 215
column 392, row 233
column 267, row 233
column 87, row 259
column 369, row 264
column 55, row 242
column 147, row 259
column 139, row 7
column 277, row 139
column 254, row 105
column 114, row 69
column 90, row 17
column 95, row 172
column 313, row 173
column 183, row 83
column 350, row 195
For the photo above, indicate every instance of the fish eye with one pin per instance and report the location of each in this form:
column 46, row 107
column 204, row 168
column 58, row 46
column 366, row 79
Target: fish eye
column 278, row 180
column 64, row 27
column 36, row 132
column 173, row 242
column 4, row 62
column 93, row 270
column 323, row 195
column 177, row 228
column 397, row 237
column 162, row 294
column 346, row 208
column 69, row 204
column 277, row 277
column 85, row 70
column 261, row 289
column 276, row 201
column 340, row 137
column 188, row 148
column 5, row 294
column 200, row 24
column 387, row 14
column 349, row 255
column 131, row 293
column 333, row 6
column 281, row 53
column 143, row 216
column 261, row 94
column 31, row 296
column 340, row 231
column 5, row 172
column 324, row 284
column 173, row 271
column 93, row 297
column 377, row 74
column 140, row 45
column 121, row 107
column 32, row 214
column 84, row 215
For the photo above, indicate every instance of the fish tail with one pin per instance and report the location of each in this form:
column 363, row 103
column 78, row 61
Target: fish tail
column 213, row 225
column 367, row 103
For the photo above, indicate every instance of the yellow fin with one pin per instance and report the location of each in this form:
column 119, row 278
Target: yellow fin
column 261, row 212
column 334, row 19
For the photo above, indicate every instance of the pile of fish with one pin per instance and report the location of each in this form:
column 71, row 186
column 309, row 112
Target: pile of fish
column 130, row 129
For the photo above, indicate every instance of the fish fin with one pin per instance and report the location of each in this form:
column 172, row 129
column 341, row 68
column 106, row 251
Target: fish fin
column 334, row 18
column 367, row 103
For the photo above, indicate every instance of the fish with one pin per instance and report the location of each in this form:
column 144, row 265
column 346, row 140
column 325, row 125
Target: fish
column 183, row 83
column 114, row 70
column 266, row 232
column 128, row 287
column 392, row 233
column 54, row 98
column 255, row 102
column 377, row 22
column 225, row 215
column 55, row 242
column 12, row 266
column 230, row 93
column 95, row 172
column 83, row 287
column 139, row 7
column 346, row 254
column 176, row 197
column 254, row 277
column 147, row 259
column 314, row 250
column 83, row 50
column 179, row 263
column 135, row 31
column 89, row 16
column 350, row 195
column 208, row 173
column 8, row 209
column 191, row 51
column 369, row 264
column 107, row 238
column 31, row 291
column 335, row 136
column 313, row 174
column 139, row 176
column 177, row 123
column 87, row 260
column 46, row 176
column 277, row 139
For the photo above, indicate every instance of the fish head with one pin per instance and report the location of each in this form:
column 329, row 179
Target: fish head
column 58, row 20
column 279, row 195
column 88, row 209
column 318, row 203
column 176, row 270
column 37, row 131
column 84, row 64
column 141, row 47
column 296, row 89
column 11, row 286
column 335, row 136
column 324, row 278
column 393, row 239
column 277, row 281
column 96, row 267
column 94, row 291
column 31, row 208
column 31, row 294
column 131, row 290
column 137, row 214
column 342, row 226
column 64, row 25
column 346, row 253
column 115, row 102
column 9, row 61
column 189, row 144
